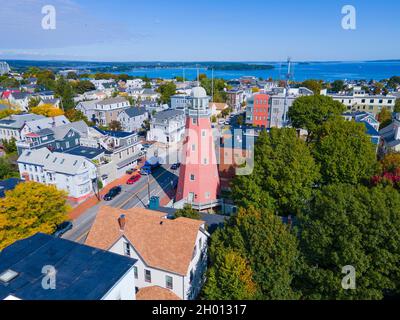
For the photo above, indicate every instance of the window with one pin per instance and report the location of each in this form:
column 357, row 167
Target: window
column 147, row 275
column 194, row 252
column 169, row 282
column 135, row 272
column 200, row 243
column 193, row 147
column 192, row 178
column 127, row 249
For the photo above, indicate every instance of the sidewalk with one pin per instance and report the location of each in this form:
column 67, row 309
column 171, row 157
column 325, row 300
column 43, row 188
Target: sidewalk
column 92, row 201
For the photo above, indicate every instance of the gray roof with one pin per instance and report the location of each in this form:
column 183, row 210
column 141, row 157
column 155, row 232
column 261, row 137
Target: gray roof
column 53, row 161
column 61, row 131
column 135, row 112
column 83, row 272
column 88, row 105
column 87, row 152
column 168, row 114
column 44, row 122
column 18, row 121
column 112, row 101
column 20, row 95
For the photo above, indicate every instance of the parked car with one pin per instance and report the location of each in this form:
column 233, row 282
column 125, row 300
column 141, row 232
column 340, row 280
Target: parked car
column 112, row 193
column 175, row 166
column 133, row 179
column 63, row 228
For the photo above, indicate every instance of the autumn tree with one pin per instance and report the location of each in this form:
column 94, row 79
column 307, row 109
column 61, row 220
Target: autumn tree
column 283, row 176
column 33, row 102
column 28, row 209
column 310, row 112
column 47, row 110
column 74, row 115
column 348, row 225
column 7, row 112
column 230, row 278
column 259, row 239
column 115, row 126
column 313, row 85
column 345, row 152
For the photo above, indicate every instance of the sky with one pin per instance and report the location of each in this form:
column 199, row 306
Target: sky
column 202, row 30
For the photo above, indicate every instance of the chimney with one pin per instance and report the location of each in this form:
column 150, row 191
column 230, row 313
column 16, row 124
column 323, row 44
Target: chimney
column 122, row 222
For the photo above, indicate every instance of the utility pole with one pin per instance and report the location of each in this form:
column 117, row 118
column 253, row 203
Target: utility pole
column 212, row 85
column 286, row 107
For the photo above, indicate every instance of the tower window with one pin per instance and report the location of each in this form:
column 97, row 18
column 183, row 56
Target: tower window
column 192, row 178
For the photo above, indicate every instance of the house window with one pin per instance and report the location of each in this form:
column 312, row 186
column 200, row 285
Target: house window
column 147, row 275
column 194, row 252
column 135, row 272
column 169, row 282
column 127, row 249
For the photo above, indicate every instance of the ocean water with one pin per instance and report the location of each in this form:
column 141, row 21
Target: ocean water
column 328, row 71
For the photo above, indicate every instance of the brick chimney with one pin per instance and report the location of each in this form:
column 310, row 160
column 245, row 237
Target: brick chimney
column 122, row 222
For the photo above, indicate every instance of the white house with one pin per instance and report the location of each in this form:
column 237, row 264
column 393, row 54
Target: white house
column 135, row 83
column 132, row 119
column 180, row 101
column 11, row 127
column 167, row 126
column 81, row 272
column 20, row 99
column 170, row 254
column 359, row 100
column 73, row 174
column 43, row 123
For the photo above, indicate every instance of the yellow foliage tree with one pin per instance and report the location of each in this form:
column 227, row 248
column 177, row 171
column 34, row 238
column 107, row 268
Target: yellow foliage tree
column 47, row 110
column 31, row 208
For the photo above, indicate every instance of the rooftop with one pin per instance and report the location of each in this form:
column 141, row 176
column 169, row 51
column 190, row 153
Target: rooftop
column 112, row 101
column 135, row 111
column 156, row 293
column 145, row 228
column 88, row 153
column 83, row 273
column 168, row 114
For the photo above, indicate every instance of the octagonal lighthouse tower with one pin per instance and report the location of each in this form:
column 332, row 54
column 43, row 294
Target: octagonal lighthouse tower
column 199, row 183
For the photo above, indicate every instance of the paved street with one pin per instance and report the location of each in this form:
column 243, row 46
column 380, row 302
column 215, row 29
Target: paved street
column 161, row 183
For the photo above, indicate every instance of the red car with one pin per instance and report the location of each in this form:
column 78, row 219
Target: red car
column 133, row 179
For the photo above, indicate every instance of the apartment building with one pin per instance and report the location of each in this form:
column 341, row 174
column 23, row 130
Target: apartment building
column 257, row 111
column 132, row 119
column 73, row 174
column 359, row 100
column 102, row 112
column 167, row 126
column 11, row 127
column 170, row 254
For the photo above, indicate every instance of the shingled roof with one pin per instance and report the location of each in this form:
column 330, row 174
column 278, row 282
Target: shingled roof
column 162, row 243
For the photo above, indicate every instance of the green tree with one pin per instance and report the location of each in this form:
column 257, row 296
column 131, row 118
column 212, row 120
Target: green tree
column 166, row 90
column 344, row 152
column 28, row 209
column 33, row 102
column 10, row 146
column 397, row 106
column 313, row 85
column 7, row 170
column 350, row 225
column 230, row 278
column 267, row 245
column 81, row 87
column 310, row 112
column 337, row 86
column 72, row 76
column 187, row 212
column 384, row 117
column 273, row 184
column 63, row 90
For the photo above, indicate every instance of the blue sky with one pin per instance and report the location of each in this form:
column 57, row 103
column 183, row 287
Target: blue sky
column 206, row 30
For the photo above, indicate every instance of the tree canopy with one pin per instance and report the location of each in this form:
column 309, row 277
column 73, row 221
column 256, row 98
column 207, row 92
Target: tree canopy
column 273, row 184
column 28, row 209
column 47, row 110
column 344, row 152
column 257, row 239
column 167, row 90
column 310, row 112
column 356, row 226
